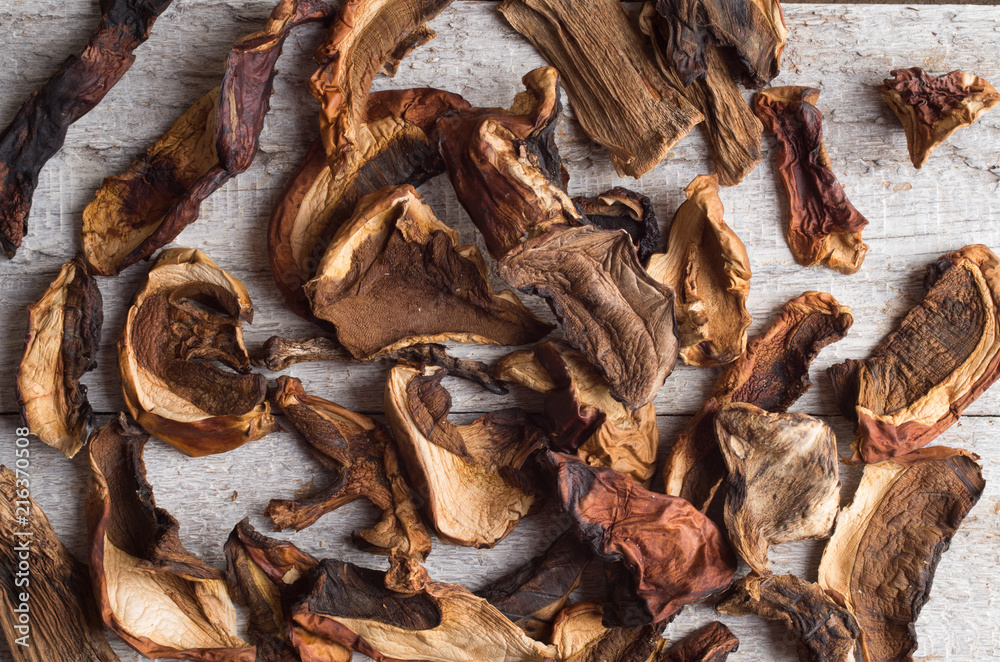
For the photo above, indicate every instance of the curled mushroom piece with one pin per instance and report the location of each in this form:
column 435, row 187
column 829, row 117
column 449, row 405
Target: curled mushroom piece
column 64, row 332
column 151, row 592
column 823, row 226
column 709, row 643
column 943, row 355
column 581, row 636
column 187, row 313
column 931, row 108
column 881, row 561
column 621, row 209
column 707, row 266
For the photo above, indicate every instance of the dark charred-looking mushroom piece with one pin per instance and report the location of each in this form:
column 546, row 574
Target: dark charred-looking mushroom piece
column 64, row 332
column 931, row 108
column 187, row 313
column 581, row 636
column 943, row 355
column 823, row 226
column 38, row 130
column 217, row 138
column 712, row 642
column 707, row 266
column 151, row 592
column 881, row 560
column 621, row 209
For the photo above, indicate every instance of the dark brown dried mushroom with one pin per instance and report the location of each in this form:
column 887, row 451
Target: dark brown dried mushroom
column 943, row 355
column 581, row 636
column 707, row 266
column 619, row 208
column 931, row 108
column 151, row 592
column 823, row 226
column 64, row 332
column 881, row 561
column 189, row 312
column 709, row 643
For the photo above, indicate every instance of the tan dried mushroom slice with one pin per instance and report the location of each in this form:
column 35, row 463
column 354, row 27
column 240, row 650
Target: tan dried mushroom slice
column 881, row 561
column 151, row 592
column 580, row 636
column 707, row 266
column 783, row 481
column 64, row 332
column 931, row 108
column 475, row 478
column 943, row 355
column 189, row 312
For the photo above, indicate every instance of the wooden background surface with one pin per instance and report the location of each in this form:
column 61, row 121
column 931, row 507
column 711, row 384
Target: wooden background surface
column 845, row 50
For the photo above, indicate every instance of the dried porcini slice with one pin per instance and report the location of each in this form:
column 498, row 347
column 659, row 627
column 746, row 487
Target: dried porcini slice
column 64, row 332
column 943, row 355
column 38, row 130
column 931, row 108
column 772, row 374
column 151, row 592
column 707, row 266
column 881, row 561
column 619, row 208
column 581, row 636
column 476, row 479
column 823, row 226
column 189, row 312
column 712, row 642
column 147, row 206
column 782, row 481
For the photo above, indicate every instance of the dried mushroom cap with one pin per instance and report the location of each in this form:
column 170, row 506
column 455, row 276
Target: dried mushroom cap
column 581, row 636
column 64, row 332
column 707, row 266
column 189, row 312
column 783, row 482
column 931, row 108
column 619, row 208
column 943, row 355
column 151, row 592
column 881, row 561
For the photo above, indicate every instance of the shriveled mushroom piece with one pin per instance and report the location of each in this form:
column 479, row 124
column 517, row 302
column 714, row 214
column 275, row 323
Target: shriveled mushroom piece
column 619, row 208
column 943, row 355
column 581, row 636
column 881, row 561
column 707, row 266
column 64, row 332
column 823, row 226
column 709, row 643
column 189, row 312
column 931, row 108
column 151, row 592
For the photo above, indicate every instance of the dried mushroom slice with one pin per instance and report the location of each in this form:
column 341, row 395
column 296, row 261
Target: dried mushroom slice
column 881, row 561
column 64, row 332
column 151, row 592
column 783, row 482
column 476, row 478
column 147, row 206
column 619, row 208
column 931, row 108
column 823, row 226
column 712, row 642
column 707, row 266
column 187, row 313
column 581, row 636
column 943, row 355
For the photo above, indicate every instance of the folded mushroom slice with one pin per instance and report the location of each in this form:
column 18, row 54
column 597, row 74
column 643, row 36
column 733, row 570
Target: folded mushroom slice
column 189, row 312
column 151, row 592
column 881, row 561
column 943, row 355
column 581, row 636
column 619, row 208
column 64, row 332
column 707, row 266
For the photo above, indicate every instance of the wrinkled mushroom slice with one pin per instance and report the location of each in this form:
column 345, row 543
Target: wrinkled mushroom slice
column 707, row 266
column 671, row 553
column 712, row 642
column 147, row 206
column 824, row 630
column 151, row 592
column 772, row 374
column 823, row 226
column 931, row 108
column 396, row 276
column 943, row 355
column 581, row 636
column 782, row 481
column 881, row 560
column 187, row 313
column 64, row 332
column 620, row 98
column 474, row 478
column 38, row 130
column 619, row 208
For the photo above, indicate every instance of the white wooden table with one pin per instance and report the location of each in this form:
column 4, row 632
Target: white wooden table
column 845, row 50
